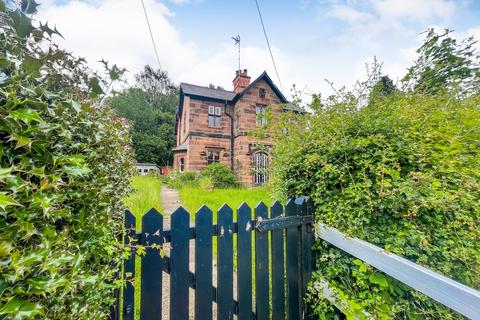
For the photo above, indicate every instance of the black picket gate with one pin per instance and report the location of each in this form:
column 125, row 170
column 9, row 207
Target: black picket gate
column 271, row 286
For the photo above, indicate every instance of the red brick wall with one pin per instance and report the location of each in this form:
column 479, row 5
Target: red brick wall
column 198, row 118
column 197, row 157
column 176, row 160
column 196, row 111
column 246, row 125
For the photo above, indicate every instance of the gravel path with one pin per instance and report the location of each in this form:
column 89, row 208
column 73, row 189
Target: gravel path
column 170, row 202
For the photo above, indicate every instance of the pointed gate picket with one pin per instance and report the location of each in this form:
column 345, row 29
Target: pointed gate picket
column 282, row 235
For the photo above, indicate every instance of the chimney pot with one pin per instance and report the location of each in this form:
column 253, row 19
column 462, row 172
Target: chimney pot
column 241, row 81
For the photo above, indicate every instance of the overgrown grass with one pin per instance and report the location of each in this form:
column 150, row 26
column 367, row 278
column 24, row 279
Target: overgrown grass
column 194, row 198
column 146, row 195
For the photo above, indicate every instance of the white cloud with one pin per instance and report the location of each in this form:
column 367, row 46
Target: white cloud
column 421, row 10
column 379, row 15
column 116, row 30
column 349, row 14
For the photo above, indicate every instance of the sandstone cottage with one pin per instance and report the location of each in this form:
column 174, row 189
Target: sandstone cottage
column 215, row 125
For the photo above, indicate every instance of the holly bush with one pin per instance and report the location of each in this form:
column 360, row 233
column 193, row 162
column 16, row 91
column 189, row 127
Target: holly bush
column 402, row 173
column 65, row 166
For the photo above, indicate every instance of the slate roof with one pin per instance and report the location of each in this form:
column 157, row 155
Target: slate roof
column 194, row 90
column 222, row 96
column 182, row 147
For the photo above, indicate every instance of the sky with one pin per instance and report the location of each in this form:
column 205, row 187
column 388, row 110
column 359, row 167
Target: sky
column 311, row 40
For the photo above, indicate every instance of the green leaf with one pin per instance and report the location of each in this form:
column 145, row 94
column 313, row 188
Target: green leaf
column 27, row 115
column 94, row 86
column 5, row 248
column 4, row 63
column 21, row 140
column 7, row 200
column 379, row 279
column 29, row 6
column 75, row 171
column 21, row 309
column 32, row 65
column 5, row 172
column 21, row 23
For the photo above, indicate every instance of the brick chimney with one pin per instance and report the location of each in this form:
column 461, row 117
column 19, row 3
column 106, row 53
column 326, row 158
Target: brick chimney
column 241, row 81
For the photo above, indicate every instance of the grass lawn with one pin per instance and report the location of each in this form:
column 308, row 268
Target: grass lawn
column 194, row 198
column 146, row 195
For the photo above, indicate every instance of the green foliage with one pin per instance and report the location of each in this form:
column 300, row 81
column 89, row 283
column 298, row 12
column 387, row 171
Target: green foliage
column 194, row 197
column 445, row 64
column 150, row 107
column 403, row 174
column 384, row 87
column 220, row 175
column 145, row 195
column 65, row 166
column 178, row 180
column 206, row 183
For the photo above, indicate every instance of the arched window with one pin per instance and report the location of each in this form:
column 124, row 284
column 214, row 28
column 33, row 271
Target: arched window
column 260, row 167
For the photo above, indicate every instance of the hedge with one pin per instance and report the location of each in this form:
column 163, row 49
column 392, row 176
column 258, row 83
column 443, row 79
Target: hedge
column 65, row 166
column 402, row 173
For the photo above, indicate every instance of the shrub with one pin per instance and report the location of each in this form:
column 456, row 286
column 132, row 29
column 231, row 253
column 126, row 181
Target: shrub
column 402, row 173
column 221, row 176
column 179, row 180
column 65, row 166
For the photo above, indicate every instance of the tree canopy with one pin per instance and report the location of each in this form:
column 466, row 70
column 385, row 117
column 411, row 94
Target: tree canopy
column 444, row 63
column 150, row 106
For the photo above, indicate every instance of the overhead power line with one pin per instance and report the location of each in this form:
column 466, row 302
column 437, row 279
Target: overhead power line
column 151, row 35
column 268, row 44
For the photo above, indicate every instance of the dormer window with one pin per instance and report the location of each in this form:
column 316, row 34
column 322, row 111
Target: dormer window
column 214, row 116
column 261, row 93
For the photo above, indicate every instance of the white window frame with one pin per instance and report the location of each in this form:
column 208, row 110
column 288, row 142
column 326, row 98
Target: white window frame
column 214, row 116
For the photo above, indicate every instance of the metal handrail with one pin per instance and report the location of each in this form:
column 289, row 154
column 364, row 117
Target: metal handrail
column 453, row 294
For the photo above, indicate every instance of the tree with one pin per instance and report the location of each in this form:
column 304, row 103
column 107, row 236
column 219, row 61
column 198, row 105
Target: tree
column 150, row 106
column 384, row 87
column 161, row 92
column 212, row 86
column 445, row 64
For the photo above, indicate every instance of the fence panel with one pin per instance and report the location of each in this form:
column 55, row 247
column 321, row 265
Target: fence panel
column 261, row 266
column 244, row 262
column 129, row 267
column 291, row 234
column 225, row 305
column 179, row 263
column 153, row 236
column 278, row 265
column 203, row 264
column 293, row 301
column 152, row 266
column 304, row 250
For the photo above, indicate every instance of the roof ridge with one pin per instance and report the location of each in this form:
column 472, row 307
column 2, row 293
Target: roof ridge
column 206, row 87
